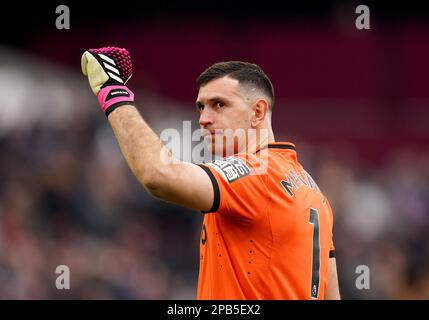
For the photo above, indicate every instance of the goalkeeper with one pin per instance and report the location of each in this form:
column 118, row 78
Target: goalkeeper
column 265, row 235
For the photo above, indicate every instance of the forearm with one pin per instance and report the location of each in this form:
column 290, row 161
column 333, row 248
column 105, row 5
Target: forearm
column 143, row 150
column 332, row 290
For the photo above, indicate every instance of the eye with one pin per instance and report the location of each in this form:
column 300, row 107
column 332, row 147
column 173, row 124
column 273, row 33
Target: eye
column 220, row 104
column 200, row 106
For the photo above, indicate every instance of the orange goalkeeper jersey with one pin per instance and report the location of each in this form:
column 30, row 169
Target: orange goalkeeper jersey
column 269, row 232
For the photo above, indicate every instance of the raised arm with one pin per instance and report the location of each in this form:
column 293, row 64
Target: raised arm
column 154, row 166
column 163, row 176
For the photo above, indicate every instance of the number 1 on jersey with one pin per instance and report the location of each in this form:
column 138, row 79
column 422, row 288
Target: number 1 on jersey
column 315, row 265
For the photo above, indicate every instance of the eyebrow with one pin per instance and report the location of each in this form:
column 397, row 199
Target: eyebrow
column 199, row 104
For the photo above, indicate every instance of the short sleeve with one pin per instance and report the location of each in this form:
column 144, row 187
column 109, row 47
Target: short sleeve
column 239, row 189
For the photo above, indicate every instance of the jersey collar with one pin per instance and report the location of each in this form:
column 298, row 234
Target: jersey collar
column 277, row 145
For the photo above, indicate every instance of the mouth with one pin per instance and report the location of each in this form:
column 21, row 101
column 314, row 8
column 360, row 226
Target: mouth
column 209, row 134
column 210, row 137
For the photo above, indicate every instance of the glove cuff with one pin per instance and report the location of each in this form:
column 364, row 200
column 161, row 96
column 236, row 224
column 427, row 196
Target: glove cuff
column 114, row 96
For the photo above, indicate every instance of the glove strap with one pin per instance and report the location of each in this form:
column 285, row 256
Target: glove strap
column 111, row 97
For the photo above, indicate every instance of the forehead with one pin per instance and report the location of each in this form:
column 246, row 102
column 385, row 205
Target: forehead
column 222, row 87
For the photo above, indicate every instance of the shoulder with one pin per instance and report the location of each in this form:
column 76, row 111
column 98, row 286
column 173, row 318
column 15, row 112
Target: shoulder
column 239, row 188
column 239, row 166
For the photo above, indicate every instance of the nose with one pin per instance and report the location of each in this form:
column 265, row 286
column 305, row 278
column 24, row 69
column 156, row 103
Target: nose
column 206, row 118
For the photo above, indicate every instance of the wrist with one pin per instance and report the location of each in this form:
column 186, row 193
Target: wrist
column 114, row 96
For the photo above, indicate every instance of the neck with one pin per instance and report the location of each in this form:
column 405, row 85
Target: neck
column 259, row 139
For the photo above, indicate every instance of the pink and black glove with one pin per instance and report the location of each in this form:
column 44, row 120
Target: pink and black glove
column 108, row 70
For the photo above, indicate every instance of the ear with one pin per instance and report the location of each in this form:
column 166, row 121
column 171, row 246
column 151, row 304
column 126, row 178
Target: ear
column 259, row 112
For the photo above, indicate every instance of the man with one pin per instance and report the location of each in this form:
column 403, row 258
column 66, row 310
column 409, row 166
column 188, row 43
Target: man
column 267, row 231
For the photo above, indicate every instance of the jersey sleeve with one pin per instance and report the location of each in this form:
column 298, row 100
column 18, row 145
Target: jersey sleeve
column 239, row 188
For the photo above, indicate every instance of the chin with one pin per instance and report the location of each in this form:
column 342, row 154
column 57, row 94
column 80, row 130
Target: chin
column 221, row 151
column 217, row 147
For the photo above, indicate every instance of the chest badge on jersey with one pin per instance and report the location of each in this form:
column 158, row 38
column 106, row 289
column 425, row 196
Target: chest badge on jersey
column 231, row 168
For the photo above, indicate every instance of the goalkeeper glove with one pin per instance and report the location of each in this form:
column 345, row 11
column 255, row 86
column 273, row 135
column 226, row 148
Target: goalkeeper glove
column 108, row 70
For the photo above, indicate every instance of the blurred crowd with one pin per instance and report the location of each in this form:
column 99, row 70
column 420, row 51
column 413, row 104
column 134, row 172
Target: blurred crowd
column 64, row 200
column 381, row 221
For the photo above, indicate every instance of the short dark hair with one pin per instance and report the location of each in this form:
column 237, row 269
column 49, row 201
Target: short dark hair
column 244, row 72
